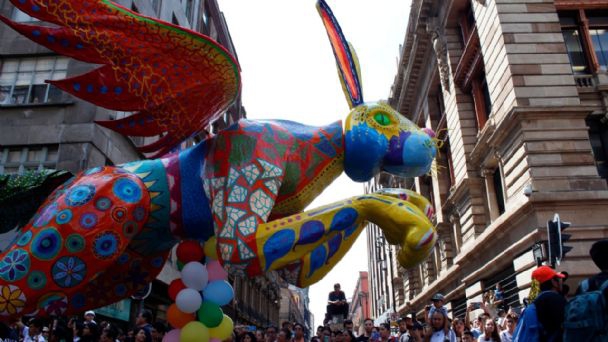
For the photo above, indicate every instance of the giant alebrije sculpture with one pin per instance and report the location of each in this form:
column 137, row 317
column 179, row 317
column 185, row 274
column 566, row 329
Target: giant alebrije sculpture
column 107, row 232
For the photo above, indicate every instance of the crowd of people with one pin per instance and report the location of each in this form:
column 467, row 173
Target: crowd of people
column 83, row 330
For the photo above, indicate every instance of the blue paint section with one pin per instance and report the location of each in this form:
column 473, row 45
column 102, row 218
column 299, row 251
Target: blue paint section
column 311, row 232
column 394, row 156
column 364, row 151
column 417, row 155
column 334, row 245
column 343, row 219
column 350, row 230
column 196, row 210
column 278, row 245
column 317, row 259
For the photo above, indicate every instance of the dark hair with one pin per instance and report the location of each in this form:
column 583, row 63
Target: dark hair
column 146, row 331
column 272, row 327
column 247, row 333
column 111, row 332
column 287, row 333
column 348, row 321
column 599, row 254
column 495, row 335
column 285, row 323
column 469, row 333
column 368, row 319
column 350, row 334
column 547, row 286
column 298, row 325
column 37, row 322
column 147, row 315
column 386, row 326
column 160, row 327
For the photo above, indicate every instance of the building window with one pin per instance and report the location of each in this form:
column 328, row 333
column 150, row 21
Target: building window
column 586, row 37
column 598, row 137
column 22, row 80
column 499, row 192
column 18, row 159
column 481, row 99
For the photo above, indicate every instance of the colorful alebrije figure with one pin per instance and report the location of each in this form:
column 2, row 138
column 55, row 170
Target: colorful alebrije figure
column 107, row 232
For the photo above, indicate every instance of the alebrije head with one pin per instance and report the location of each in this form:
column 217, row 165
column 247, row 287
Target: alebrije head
column 377, row 138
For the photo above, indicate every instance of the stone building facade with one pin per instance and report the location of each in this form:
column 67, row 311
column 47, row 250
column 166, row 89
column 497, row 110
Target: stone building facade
column 359, row 305
column 516, row 89
column 42, row 127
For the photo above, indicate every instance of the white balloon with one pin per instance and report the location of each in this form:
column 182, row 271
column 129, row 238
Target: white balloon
column 188, row 300
column 195, row 276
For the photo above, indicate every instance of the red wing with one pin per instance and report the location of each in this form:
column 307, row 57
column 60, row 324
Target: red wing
column 177, row 79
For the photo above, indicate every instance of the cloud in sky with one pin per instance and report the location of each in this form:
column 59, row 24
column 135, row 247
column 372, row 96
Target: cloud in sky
column 289, row 72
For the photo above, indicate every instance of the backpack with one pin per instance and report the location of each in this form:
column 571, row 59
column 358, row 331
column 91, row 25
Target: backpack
column 586, row 318
column 529, row 328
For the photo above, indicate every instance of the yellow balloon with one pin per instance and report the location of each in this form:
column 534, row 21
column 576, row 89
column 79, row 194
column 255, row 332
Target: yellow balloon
column 210, row 248
column 194, row 332
column 224, row 330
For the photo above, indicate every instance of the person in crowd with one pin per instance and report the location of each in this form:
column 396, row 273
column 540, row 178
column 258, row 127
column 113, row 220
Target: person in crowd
column 144, row 320
column 404, row 335
column 348, row 325
column 259, row 335
column 599, row 255
column 287, row 325
column 416, row 332
column 247, row 336
column 368, row 326
column 319, row 335
column 336, row 304
column 550, row 303
column 458, row 327
column 438, row 300
column 89, row 332
column 439, row 329
column 141, row 334
column 35, row 331
column 348, row 336
column 490, row 331
column 284, row 335
column 46, row 332
column 271, row 334
column 109, row 334
column 506, row 335
column 385, row 333
column 89, row 316
column 158, row 331
column 467, row 336
column 338, row 335
column 298, row 333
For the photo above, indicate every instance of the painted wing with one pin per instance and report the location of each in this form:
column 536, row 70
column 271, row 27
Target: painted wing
column 177, row 80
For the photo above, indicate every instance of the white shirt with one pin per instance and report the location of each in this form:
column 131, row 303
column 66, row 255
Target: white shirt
column 505, row 336
column 37, row 338
column 439, row 336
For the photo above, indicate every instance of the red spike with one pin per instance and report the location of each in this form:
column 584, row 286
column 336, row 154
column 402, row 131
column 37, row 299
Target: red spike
column 101, row 88
column 60, row 40
column 142, row 124
column 167, row 140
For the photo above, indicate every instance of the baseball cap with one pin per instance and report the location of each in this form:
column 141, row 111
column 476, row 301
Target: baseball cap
column 90, row 312
column 437, row 297
column 545, row 273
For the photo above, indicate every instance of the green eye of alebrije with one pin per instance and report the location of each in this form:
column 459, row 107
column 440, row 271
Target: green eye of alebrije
column 382, row 119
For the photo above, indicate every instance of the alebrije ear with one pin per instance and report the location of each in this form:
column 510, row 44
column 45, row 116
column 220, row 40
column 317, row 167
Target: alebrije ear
column 346, row 59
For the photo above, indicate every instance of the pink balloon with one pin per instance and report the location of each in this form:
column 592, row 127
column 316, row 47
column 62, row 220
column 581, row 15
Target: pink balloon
column 216, row 271
column 172, row 336
column 214, row 339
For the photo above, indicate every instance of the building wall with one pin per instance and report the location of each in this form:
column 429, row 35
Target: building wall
column 536, row 136
column 359, row 307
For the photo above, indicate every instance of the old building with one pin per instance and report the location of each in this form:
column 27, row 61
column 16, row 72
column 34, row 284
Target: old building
column 359, row 305
column 517, row 92
column 294, row 308
column 42, row 127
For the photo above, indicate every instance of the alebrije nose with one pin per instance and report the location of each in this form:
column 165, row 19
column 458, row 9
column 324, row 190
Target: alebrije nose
column 429, row 131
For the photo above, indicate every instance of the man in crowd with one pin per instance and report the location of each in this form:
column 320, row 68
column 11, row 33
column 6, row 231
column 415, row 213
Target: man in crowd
column 35, row 331
column 550, row 303
column 599, row 255
column 348, row 325
column 336, row 304
column 89, row 317
column 404, row 335
column 143, row 320
column 368, row 326
column 271, row 334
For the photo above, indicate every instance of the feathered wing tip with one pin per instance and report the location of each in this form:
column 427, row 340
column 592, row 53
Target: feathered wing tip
column 346, row 59
column 177, row 80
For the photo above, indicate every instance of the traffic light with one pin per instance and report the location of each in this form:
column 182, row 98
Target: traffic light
column 557, row 250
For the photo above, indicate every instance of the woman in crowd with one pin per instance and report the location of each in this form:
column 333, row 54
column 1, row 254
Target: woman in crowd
column 385, row 333
column 507, row 334
column 490, row 331
column 284, row 335
column 142, row 335
column 458, row 327
column 247, row 336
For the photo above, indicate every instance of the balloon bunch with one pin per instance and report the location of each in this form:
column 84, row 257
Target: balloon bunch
column 196, row 315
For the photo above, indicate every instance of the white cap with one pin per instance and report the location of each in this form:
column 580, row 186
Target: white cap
column 90, row 312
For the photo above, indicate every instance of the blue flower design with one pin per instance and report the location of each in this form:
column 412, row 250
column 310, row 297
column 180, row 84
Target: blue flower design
column 80, row 195
column 127, row 190
column 69, row 271
column 15, row 265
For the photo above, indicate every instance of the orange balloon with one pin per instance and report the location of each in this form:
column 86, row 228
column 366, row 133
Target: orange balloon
column 177, row 318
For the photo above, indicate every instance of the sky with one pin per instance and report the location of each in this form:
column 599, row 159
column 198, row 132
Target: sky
column 289, row 72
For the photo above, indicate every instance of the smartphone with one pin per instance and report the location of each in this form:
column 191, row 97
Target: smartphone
column 476, row 305
column 517, row 310
column 325, row 338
